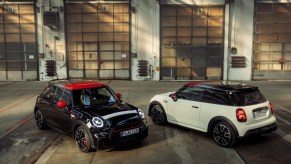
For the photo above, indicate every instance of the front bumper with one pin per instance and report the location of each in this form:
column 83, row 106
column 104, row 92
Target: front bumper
column 112, row 137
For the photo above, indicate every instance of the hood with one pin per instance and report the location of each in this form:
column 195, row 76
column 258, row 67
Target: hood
column 111, row 110
column 166, row 94
column 119, row 115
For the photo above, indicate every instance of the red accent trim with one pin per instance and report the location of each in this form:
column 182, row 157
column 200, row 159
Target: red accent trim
column 85, row 140
column 272, row 108
column 195, row 83
column 61, row 104
column 83, row 85
column 114, row 131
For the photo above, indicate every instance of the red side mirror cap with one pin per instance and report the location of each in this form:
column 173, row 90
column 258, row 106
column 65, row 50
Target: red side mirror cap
column 61, row 104
column 173, row 96
column 119, row 95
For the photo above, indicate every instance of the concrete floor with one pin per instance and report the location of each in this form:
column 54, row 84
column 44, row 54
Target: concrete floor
column 22, row 142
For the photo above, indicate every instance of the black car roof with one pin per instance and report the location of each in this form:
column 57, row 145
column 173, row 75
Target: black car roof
column 222, row 85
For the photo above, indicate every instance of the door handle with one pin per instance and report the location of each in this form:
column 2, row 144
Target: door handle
column 195, row 106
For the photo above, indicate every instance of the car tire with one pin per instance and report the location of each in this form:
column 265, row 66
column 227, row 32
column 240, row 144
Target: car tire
column 39, row 119
column 223, row 134
column 82, row 139
column 158, row 115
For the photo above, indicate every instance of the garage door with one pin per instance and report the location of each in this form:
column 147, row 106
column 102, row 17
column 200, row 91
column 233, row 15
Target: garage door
column 192, row 42
column 272, row 41
column 98, row 45
column 18, row 51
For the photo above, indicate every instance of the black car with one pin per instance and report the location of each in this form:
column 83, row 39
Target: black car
column 90, row 112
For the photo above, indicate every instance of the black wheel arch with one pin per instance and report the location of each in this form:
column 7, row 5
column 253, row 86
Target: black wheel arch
column 152, row 104
column 35, row 109
column 217, row 119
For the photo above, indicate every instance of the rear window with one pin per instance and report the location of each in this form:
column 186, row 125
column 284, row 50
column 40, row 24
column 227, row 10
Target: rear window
column 248, row 97
column 216, row 97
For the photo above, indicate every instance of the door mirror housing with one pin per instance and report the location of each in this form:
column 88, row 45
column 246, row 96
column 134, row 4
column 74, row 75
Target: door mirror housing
column 174, row 97
column 118, row 95
column 61, row 104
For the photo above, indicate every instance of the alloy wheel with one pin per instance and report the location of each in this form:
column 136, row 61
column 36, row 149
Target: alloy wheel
column 157, row 115
column 81, row 139
column 39, row 120
column 222, row 134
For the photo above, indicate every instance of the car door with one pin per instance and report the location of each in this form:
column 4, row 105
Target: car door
column 214, row 103
column 45, row 103
column 62, row 116
column 54, row 113
column 184, row 109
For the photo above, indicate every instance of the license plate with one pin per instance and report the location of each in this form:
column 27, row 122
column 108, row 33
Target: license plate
column 260, row 113
column 129, row 132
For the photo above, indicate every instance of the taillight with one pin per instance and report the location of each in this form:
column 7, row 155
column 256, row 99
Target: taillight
column 272, row 108
column 241, row 115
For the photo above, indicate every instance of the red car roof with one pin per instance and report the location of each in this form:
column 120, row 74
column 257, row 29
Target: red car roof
column 195, row 83
column 83, row 85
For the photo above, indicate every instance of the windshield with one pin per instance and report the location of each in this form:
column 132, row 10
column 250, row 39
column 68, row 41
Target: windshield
column 93, row 96
column 248, row 97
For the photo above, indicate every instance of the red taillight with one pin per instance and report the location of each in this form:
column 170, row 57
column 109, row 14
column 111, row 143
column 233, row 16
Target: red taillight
column 272, row 108
column 241, row 115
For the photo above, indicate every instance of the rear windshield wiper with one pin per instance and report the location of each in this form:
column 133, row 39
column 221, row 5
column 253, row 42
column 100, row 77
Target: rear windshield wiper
column 253, row 102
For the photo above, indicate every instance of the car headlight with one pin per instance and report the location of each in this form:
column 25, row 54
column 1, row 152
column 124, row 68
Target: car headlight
column 98, row 122
column 141, row 114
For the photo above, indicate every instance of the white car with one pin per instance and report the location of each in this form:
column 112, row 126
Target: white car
column 226, row 110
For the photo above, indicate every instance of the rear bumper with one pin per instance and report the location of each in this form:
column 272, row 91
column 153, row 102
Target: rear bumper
column 265, row 126
column 262, row 130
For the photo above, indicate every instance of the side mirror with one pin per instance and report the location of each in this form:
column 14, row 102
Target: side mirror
column 119, row 95
column 61, row 104
column 174, row 97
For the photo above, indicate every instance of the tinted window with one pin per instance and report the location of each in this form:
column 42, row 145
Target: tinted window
column 66, row 97
column 216, row 97
column 248, row 97
column 190, row 93
column 58, row 94
column 48, row 92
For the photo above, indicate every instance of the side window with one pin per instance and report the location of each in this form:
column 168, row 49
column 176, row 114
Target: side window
column 66, row 97
column 85, row 97
column 48, row 92
column 190, row 93
column 58, row 94
column 216, row 97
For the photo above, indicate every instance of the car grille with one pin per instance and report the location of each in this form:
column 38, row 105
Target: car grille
column 117, row 139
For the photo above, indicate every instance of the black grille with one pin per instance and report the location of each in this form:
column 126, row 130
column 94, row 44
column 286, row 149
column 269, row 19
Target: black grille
column 116, row 138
